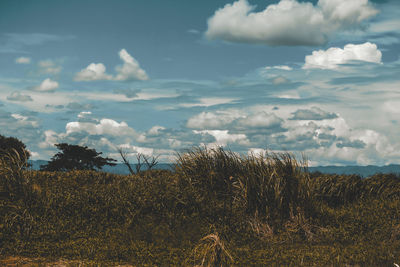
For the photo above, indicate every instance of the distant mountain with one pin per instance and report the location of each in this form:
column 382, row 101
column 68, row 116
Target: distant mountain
column 123, row 169
column 363, row 171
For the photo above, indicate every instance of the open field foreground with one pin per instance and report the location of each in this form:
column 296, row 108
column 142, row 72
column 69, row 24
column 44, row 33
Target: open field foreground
column 214, row 209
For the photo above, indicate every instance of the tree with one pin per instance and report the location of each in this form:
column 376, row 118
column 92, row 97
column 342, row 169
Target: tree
column 141, row 159
column 74, row 157
column 12, row 145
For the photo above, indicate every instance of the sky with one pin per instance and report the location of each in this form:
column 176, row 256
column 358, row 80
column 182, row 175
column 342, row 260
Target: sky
column 319, row 78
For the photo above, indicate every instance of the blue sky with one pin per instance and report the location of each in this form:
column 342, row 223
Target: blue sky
column 156, row 77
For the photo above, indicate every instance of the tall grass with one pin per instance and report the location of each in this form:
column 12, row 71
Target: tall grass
column 271, row 187
column 266, row 207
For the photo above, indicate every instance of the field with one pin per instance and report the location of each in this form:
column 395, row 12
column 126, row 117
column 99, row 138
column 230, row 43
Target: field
column 215, row 208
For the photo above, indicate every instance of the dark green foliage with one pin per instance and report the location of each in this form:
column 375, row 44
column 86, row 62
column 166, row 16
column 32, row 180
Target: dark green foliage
column 74, row 157
column 267, row 211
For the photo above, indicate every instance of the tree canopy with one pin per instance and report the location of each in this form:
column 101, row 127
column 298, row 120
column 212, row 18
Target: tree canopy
column 75, row 157
column 11, row 144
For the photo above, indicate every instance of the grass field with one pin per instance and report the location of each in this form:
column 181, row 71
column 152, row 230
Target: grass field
column 215, row 208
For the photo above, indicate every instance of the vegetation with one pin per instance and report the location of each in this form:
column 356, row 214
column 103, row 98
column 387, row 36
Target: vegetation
column 74, row 157
column 13, row 145
column 216, row 208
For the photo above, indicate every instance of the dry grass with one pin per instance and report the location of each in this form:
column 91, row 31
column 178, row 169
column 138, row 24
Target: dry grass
column 265, row 207
column 211, row 252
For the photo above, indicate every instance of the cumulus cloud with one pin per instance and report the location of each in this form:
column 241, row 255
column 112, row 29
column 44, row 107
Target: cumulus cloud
column 334, row 56
column 90, row 131
column 134, row 150
column 48, row 67
column 239, row 121
column 209, row 120
column 48, row 85
column 130, row 70
column 17, row 96
column 322, row 135
column 315, row 113
column 260, row 120
column 93, row 72
column 104, row 126
column 107, row 135
column 287, row 23
column 155, row 130
column 23, row 60
column 223, row 137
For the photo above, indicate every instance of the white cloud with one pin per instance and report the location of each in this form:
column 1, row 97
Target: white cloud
column 287, row 23
column 93, row 72
column 25, row 120
column 280, row 67
column 23, row 60
column 134, row 150
column 261, row 120
column 105, row 126
column 48, row 67
column 334, row 56
column 83, row 114
column 223, row 137
column 17, row 96
column 155, row 130
column 256, row 151
column 234, row 120
column 209, row 120
column 327, row 138
column 130, row 70
column 47, row 85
